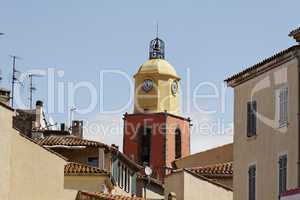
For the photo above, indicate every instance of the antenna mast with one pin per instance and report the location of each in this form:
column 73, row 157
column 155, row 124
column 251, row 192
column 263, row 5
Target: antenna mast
column 157, row 29
column 14, row 79
column 32, row 88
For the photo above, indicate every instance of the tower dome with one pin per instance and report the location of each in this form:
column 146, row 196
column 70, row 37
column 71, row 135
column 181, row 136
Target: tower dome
column 156, row 63
column 159, row 67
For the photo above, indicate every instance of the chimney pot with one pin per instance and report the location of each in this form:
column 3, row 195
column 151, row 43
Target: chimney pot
column 77, row 128
column 39, row 103
column 295, row 34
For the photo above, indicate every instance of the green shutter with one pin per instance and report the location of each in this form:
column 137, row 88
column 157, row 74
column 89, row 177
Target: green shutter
column 115, row 169
column 133, row 183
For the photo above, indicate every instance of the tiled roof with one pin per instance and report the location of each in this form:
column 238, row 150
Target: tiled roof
column 81, row 169
column 69, row 141
column 47, row 149
column 256, row 68
column 103, row 196
column 217, row 170
column 293, row 32
column 125, row 158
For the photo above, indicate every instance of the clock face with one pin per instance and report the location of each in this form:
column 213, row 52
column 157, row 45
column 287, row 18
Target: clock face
column 174, row 87
column 147, row 85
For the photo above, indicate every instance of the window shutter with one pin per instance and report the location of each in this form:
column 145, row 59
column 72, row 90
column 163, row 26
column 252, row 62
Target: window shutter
column 252, row 182
column 283, row 106
column 133, row 183
column 282, row 174
column 254, row 118
column 251, row 118
column 115, row 169
column 248, row 119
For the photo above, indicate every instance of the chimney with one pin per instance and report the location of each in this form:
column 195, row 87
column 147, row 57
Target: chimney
column 295, row 34
column 77, row 128
column 62, row 127
column 39, row 115
column 4, row 96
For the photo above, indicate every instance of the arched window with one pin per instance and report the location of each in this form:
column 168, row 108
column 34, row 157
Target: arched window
column 145, row 144
column 177, row 143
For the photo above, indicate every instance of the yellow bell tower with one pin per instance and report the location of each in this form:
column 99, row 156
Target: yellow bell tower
column 156, row 83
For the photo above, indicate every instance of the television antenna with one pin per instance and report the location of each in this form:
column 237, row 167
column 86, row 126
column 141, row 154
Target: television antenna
column 14, row 77
column 32, row 88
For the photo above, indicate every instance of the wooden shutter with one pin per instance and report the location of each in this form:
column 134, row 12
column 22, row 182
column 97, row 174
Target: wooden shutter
column 283, row 106
column 251, row 118
column 252, row 182
column 282, row 174
column 248, row 119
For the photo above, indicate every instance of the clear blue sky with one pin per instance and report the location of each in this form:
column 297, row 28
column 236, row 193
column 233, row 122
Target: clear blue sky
column 214, row 39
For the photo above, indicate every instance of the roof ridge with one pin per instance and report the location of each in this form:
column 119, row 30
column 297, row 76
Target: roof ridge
column 262, row 62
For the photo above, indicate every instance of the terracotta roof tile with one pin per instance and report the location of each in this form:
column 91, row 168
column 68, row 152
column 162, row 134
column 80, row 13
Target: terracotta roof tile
column 103, row 196
column 69, row 141
column 217, row 170
column 81, row 169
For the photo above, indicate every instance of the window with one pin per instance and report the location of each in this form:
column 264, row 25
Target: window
column 282, row 173
column 177, row 143
column 145, row 136
column 93, row 161
column 252, row 182
column 251, row 118
column 282, row 102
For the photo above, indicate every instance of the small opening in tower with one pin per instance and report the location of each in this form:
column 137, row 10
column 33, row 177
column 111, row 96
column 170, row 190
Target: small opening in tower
column 177, row 143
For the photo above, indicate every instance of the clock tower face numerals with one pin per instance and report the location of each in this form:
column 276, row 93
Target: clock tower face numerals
column 174, row 87
column 147, row 85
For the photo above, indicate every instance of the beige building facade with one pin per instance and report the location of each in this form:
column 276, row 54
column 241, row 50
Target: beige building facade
column 266, row 127
column 28, row 171
column 221, row 154
column 190, row 186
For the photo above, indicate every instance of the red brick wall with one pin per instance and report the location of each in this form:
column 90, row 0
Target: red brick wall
column 162, row 141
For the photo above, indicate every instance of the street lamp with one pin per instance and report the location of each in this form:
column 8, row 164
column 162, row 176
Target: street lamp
column 1, row 33
column 148, row 172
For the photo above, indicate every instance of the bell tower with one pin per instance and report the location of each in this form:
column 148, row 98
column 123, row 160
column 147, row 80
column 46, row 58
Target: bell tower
column 156, row 83
column 155, row 134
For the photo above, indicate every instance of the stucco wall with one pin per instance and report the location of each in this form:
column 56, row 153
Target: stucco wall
column 265, row 149
column 188, row 187
column 28, row 171
column 85, row 183
column 220, row 154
